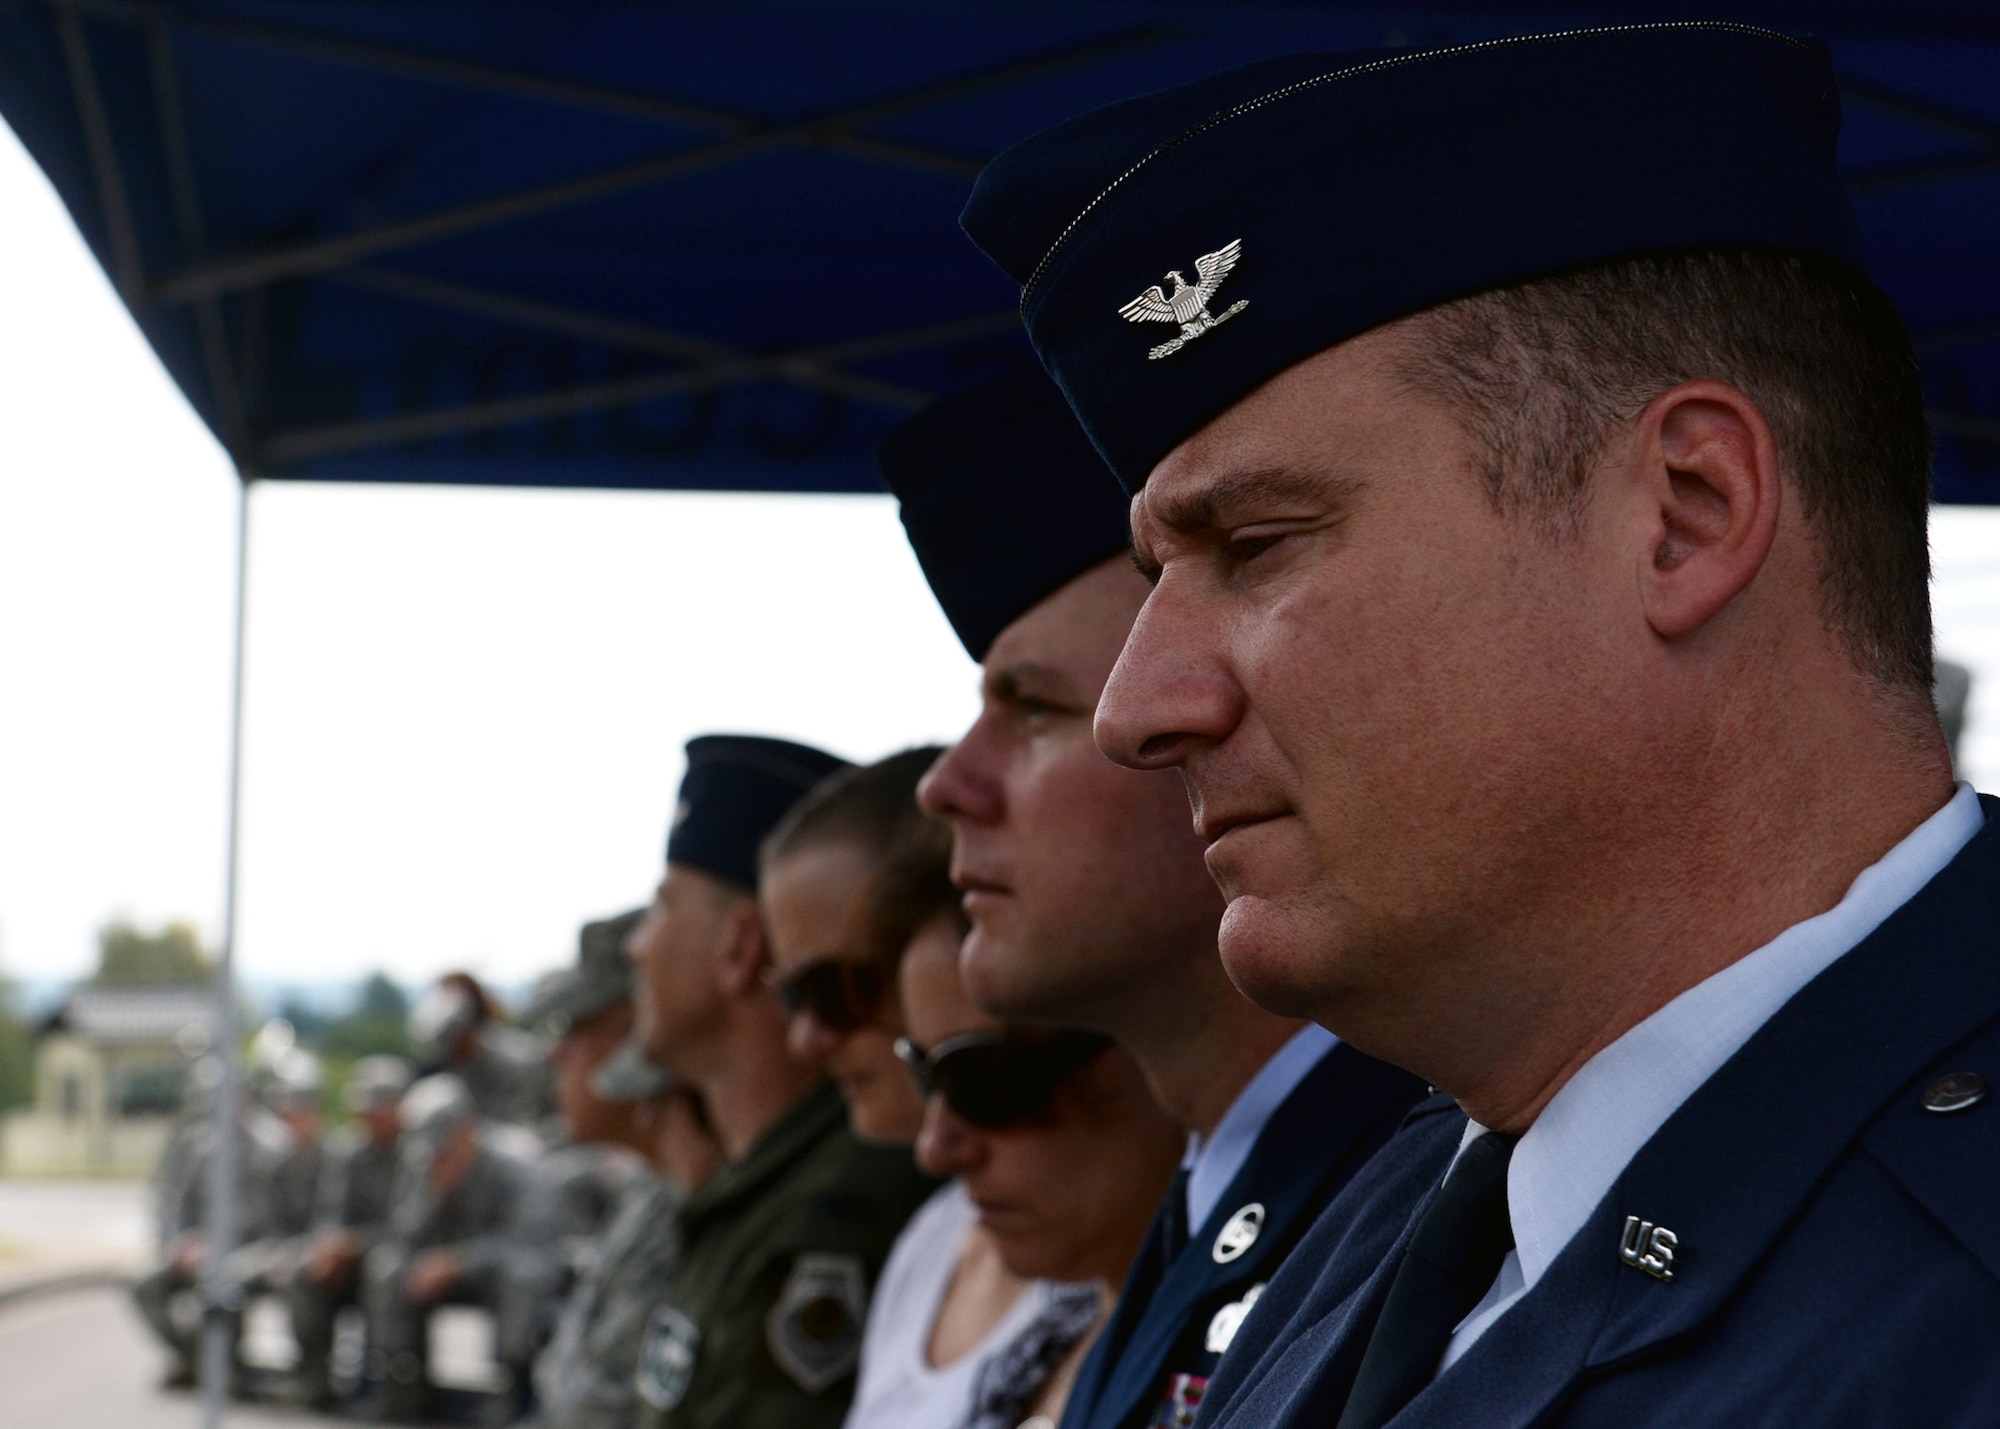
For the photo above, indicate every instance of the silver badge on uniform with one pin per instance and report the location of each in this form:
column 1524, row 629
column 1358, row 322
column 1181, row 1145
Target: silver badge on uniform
column 666, row 1358
column 815, row 1328
column 1645, row 1246
column 1239, row 1234
column 1229, row 1319
column 1186, row 307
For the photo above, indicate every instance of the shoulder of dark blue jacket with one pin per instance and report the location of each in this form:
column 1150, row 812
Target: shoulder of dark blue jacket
column 1940, row 1138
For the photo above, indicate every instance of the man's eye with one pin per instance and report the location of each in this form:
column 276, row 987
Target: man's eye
column 1248, row 548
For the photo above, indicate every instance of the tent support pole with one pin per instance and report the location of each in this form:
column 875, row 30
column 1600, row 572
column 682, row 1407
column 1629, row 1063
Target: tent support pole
column 220, row 1308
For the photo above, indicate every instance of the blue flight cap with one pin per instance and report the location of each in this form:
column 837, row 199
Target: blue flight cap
column 1004, row 499
column 736, row 788
column 1178, row 250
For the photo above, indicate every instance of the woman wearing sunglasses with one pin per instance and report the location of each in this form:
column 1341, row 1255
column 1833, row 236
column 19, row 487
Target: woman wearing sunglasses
column 818, row 868
column 1058, row 1146
column 970, row 1324
column 846, row 880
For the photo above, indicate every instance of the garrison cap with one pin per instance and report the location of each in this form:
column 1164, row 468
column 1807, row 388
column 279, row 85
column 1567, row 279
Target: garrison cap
column 1306, row 199
column 1004, row 499
column 601, row 979
column 736, row 788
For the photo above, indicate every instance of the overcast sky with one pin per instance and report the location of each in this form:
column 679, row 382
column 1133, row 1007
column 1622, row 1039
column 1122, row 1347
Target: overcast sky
column 466, row 707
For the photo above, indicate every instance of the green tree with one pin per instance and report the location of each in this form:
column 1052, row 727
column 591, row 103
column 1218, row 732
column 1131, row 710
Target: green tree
column 17, row 1050
column 376, row 1023
column 128, row 956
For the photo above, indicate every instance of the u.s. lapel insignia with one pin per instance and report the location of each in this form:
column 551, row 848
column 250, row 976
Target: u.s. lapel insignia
column 1187, row 305
column 1645, row 1246
column 1239, row 1233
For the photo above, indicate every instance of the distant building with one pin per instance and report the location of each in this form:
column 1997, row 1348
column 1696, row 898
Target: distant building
column 110, row 1066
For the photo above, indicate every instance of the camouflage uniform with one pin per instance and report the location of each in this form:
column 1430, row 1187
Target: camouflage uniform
column 486, row 1222
column 584, row 1379
column 354, row 1195
column 508, row 1075
column 268, row 1254
column 180, row 1209
column 574, row 1192
column 505, row 1069
column 760, row 1327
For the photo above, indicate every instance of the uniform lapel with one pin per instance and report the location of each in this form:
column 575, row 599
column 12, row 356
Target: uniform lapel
column 1133, row 1299
column 1340, row 1111
column 1296, row 1357
column 1533, row 1354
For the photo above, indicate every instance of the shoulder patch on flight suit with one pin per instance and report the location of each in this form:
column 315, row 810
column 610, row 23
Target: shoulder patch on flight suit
column 815, row 1328
column 666, row 1358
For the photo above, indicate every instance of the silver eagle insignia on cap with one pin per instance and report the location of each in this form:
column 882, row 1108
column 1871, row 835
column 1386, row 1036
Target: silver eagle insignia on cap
column 1187, row 305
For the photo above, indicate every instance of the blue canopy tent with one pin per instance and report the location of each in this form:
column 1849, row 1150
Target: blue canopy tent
column 662, row 245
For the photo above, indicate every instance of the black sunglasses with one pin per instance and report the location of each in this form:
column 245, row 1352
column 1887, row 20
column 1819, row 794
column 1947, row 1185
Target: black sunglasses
column 995, row 1079
column 840, row 995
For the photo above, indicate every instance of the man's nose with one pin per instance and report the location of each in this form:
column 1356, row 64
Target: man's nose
column 639, row 939
column 1169, row 694
column 961, row 786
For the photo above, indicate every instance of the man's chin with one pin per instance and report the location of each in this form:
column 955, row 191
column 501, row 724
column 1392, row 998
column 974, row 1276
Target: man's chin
column 1270, row 959
column 1019, row 980
column 996, row 972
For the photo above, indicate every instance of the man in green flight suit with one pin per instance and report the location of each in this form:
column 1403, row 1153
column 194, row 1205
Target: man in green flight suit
column 760, row 1326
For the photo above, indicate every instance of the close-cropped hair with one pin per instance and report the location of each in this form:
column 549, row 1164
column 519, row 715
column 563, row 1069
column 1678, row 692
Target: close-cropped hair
column 1543, row 373
column 910, row 888
column 862, row 806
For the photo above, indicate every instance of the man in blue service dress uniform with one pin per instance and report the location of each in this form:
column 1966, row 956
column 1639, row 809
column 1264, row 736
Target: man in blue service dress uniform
column 1534, row 491
column 1087, row 896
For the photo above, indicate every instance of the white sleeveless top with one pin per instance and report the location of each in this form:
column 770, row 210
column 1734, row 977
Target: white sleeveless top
column 898, row 1387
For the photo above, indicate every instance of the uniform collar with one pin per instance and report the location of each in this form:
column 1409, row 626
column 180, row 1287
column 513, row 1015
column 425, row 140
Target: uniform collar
column 1213, row 1161
column 814, row 1117
column 1729, row 1170
column 1335, row 1117
column 1595, row 1125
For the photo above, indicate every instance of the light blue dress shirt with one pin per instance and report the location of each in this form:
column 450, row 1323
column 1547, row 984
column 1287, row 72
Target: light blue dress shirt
column 1212, row 1163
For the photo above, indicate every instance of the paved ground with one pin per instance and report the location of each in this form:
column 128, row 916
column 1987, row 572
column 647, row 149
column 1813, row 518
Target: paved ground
column 79, row 1359
column 50, row 1228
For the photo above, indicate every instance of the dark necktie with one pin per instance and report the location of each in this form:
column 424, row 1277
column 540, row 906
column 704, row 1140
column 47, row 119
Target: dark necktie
column 1448, row 1268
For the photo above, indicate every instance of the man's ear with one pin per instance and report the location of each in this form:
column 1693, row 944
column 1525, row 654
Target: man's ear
column 1708, row 471
column 745, row 953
